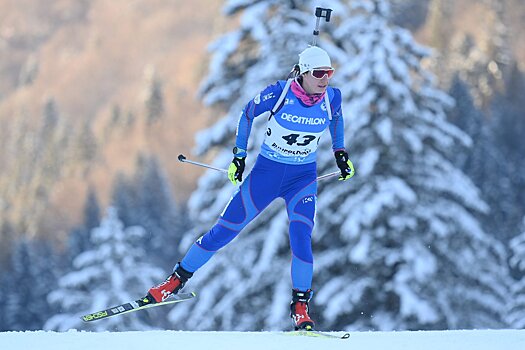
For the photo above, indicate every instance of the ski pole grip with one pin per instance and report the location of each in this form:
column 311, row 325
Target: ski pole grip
column 181, row 158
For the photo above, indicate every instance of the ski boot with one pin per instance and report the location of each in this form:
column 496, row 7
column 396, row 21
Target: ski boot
column 299, row 310
column 172, row 285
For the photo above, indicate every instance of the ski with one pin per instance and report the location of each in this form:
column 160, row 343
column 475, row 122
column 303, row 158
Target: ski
column 318, row 334
column 139, row 304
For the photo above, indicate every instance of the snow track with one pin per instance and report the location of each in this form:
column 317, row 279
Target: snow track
column 423, row 340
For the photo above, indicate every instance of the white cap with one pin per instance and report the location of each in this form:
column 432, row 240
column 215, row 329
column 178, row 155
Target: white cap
column 313, row 57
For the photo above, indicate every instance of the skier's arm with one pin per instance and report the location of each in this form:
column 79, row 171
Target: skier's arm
column 337, row 132
column 337, row 124
column 260, row 104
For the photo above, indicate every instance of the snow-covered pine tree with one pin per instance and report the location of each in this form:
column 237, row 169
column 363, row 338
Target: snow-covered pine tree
column 516, row 314
column 157, row 211
column 33, row 273
column 483, row 163
column 401, row 246
column 261, row 51
column 111, row 273
column 145, row 199
column 507, row 127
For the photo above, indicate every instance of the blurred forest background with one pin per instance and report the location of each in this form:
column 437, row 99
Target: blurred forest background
column 98, row 98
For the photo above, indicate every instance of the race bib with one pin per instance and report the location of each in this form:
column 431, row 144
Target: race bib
column 291, row 142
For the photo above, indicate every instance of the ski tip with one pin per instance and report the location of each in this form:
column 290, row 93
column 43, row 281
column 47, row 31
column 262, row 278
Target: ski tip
column 193, row 294
column 181, row 158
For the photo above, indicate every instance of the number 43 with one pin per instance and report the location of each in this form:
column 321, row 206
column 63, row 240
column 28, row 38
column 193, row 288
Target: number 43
column 292, row 139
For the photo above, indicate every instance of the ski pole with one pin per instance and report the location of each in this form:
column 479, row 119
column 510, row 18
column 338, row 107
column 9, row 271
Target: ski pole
column 183, row 159
column 335, row 173
column 320, row 13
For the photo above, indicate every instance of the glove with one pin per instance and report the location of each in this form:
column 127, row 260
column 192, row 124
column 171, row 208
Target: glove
column 236, row 169
column 345, row 165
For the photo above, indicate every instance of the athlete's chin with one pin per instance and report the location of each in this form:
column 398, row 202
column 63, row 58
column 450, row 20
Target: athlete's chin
column 321, row 89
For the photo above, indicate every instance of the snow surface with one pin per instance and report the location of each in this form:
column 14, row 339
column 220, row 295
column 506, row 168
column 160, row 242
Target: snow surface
column 421, row 340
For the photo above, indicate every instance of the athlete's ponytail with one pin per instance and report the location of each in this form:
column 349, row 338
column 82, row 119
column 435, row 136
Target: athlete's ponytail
column 294, row 72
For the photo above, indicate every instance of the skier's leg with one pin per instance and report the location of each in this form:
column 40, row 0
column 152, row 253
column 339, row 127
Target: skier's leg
column 256, row 192
column 301, row 212
column 246, row 203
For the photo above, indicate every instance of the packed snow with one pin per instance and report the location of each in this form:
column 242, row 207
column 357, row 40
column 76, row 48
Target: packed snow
column 427, row 340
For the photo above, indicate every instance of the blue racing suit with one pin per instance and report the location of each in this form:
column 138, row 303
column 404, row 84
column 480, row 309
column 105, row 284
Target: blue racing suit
column 285, row 168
